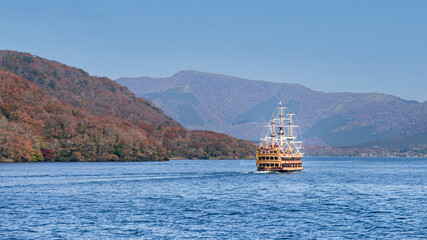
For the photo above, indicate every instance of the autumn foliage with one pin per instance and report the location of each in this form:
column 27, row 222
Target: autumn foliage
column 48, row 154
column 53, row 112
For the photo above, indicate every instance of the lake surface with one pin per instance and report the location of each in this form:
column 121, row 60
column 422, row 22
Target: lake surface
column 341, row 198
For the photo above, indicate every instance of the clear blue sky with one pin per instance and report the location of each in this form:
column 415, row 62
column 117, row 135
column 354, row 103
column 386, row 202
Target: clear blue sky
column 332, row 46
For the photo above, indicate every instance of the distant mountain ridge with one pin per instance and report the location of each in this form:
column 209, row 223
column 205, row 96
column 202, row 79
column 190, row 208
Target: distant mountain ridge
column 240, row 107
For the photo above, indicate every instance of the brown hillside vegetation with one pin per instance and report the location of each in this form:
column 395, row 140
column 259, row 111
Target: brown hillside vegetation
column 53, row 112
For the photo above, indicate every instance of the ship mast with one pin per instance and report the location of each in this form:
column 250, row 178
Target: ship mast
column 290, row 130
column 272, row 131
column 281, row 126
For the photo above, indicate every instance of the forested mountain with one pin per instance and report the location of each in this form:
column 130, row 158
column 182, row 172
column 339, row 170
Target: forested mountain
column 240, row 107
column 50, row 111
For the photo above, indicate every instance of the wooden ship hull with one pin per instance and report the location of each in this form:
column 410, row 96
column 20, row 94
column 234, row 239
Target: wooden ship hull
column 273, row 159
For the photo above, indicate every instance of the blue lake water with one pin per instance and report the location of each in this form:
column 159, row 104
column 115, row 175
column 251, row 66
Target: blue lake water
column 341, row 198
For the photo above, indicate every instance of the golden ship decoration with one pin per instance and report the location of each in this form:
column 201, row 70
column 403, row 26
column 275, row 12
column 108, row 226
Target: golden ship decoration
column 279, row 151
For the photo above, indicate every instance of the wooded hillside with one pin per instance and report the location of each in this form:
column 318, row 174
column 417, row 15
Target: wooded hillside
column 52, row 112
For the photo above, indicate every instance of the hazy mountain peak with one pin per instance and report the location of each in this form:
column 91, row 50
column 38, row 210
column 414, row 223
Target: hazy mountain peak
column 198, row 75
column 240, row 107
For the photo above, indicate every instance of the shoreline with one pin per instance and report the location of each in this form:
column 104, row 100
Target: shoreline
column 252, row 159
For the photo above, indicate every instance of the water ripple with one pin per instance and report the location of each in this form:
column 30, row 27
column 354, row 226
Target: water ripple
column 333, row 198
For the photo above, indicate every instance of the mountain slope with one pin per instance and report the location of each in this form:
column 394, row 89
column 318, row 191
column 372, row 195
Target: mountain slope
column 34, row 124
column 240, row 107
column 50, row 111
column 98, row 95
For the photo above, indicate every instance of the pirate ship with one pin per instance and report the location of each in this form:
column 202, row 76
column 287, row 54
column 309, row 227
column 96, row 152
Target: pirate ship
column 280, row 152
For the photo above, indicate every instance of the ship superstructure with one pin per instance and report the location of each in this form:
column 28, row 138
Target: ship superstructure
column 279, row 150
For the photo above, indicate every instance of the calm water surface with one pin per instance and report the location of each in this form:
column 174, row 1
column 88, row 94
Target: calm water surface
column 334, row 198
